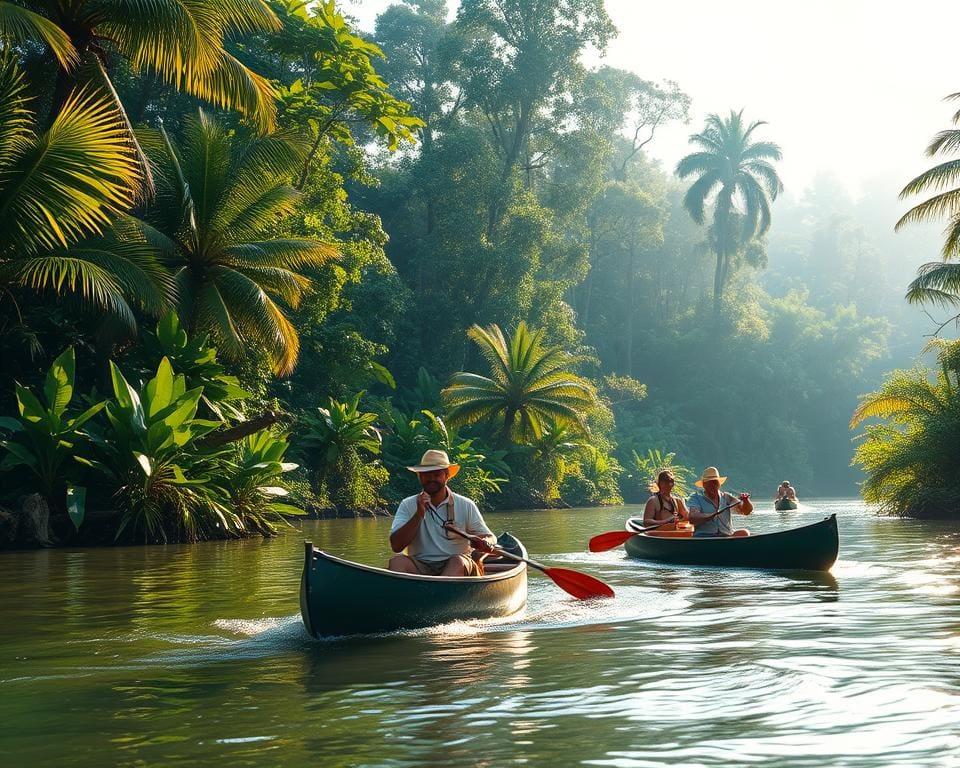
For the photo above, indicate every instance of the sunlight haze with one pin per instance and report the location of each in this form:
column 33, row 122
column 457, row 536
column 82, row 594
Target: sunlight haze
column 851, row 88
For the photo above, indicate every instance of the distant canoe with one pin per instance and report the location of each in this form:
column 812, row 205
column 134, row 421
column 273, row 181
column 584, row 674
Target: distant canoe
column 810, row 548
column 784, row 504
column 340, row 597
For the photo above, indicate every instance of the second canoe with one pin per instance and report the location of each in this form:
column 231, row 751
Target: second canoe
column 809, row 548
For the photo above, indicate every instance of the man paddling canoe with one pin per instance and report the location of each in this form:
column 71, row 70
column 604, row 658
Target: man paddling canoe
column 420, row 525
column 704, row 505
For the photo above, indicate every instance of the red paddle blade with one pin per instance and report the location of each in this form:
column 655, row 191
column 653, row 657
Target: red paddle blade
column 604, row 541
column 580, row 585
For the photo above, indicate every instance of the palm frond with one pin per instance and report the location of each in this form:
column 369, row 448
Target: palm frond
column 205, row 163
column 697, row 162
column 71, row 180
column 937, row 178
column 944, row 142
column 761, row 150
column 493, row 346
column 695, row 199
column 232, row 85
column 936, row 282
column 22, row 25
column 282, row 253
column 61, row 273
column 16, row 121
column 257, row 213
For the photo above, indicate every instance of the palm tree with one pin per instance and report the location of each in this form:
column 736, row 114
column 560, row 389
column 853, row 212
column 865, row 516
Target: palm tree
column 216, row 197
column 530, row 386
column 62, row 195
column 938, row 282
column 736, row 173
column 911, row 460
column 180, row 41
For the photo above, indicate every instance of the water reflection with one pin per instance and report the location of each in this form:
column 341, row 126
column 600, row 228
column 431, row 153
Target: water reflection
column 175, row 656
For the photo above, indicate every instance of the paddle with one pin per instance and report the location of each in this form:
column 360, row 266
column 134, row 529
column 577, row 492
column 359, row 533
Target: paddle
column 580, row 585
column 605, row 541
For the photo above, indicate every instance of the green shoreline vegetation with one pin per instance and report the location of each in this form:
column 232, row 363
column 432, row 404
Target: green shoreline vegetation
column 255, row 262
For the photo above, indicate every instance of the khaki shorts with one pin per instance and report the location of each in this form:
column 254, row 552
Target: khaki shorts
column 435, row 567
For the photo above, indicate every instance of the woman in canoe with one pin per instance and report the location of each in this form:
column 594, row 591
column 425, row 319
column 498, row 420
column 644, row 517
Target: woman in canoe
column 704, row 506
column 663, row 506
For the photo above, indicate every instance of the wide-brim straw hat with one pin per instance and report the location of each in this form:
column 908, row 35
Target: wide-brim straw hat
column 710, row 473
column 433, row 460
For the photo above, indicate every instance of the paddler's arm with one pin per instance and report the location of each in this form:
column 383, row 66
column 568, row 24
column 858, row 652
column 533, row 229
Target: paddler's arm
column 405, row 533
column 477, row 526
column 694, row 514
column 746, row 506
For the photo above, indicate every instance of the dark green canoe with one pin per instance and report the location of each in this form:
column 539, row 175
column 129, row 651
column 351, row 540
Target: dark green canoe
column 810, row 548
column 784, row 504
column 340, row 597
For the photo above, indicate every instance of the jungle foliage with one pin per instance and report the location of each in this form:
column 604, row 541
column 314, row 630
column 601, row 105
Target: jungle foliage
column 257, row 231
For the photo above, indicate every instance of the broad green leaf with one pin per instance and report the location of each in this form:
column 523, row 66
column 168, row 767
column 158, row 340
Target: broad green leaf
column 159, row 390
column 169, row 333
column 88, row 414
column 10, row 424
column 18, row 455
column 382, row 375
column 159, row 438
column 30, row 407
column 58, row 386
column 181, row 479
column 186, row 409
column 145, row 463
column 127, row 398
column 286, row 509
column 76, row 504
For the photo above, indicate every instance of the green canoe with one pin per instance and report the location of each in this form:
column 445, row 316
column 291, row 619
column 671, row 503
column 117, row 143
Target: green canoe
column 810, row 548
column 340, row 597
column 784, row 504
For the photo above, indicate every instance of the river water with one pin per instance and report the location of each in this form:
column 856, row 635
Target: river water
column 195, row 656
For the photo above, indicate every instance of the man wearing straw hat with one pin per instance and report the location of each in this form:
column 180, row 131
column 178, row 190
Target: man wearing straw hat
column 419, row 526
column 704, row 505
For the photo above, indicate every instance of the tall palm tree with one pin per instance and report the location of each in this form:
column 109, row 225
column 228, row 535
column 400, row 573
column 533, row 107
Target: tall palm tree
column 736, row 173
column 938, row 282
column 217, row 196
column 62, row 195
column 180, row 41
column 911, row 459
column 530, row 386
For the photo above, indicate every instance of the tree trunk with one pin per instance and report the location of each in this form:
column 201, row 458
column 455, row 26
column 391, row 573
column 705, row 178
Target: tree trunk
column 242, row 430
column 718, row 282
column 631, row 313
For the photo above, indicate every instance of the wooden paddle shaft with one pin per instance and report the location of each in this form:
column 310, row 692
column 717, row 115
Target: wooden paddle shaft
column 496, row 550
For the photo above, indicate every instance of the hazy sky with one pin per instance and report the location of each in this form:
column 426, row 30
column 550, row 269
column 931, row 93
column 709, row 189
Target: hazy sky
column 851, row 87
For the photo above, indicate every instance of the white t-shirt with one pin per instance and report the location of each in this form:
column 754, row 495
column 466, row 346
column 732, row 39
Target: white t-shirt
column 431, row 543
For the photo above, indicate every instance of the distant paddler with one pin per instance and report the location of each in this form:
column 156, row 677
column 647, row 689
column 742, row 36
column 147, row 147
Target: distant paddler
column 786, row 491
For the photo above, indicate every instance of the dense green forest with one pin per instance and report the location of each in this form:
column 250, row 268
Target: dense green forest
column 257, row 260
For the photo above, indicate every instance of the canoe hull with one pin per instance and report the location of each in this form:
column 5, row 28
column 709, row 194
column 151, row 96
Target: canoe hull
column 783, row 505
column 810, row 548
column 340, row 597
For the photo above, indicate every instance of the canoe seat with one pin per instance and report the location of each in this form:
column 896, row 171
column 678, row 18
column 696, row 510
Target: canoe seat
column 489, row 567
column 688, row 534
